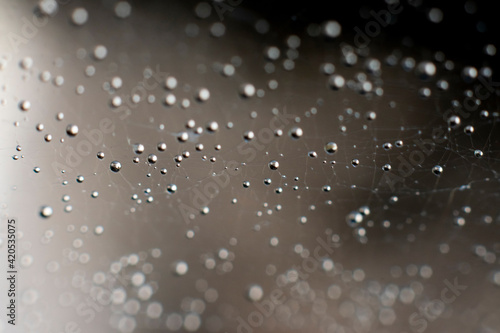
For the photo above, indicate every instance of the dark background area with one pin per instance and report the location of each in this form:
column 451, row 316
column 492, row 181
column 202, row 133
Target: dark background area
column 459, row 33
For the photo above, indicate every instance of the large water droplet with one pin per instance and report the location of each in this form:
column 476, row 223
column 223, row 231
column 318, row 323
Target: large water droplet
column 331, row 147
column 115, row 166
column 72, row 130
column 46, row 211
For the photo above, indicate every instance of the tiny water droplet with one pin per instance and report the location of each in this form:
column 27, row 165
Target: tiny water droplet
column 255, row 293
column 72, row 130
column 331, row 147
column 296, row 132
column 115, row 166
column 171, row 188
column 274, row 165
column 152, row 158
column 437, row 170
column 46, row 211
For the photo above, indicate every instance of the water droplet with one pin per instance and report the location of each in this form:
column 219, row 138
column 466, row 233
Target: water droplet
column 274, row 165
column 183, row 136
column 469, row 130
column 296, row 132
column 181, row 268
column 115, row 166
column 171, row 188
column 332, row 29
column 437, row 170
column 79, row 16
column 371, row 115
column 442, row 85
column 255, row 293
column 212, row 126
column 72, row 130
column 48, row 7
column 45, row 76
column 100, row 52
column 170, row 99
column 272, row 53
column 490, row 49
column 336, row 81
column 152, row 158
column 116, row 82
column 460, row 221
column 247, row 90
column 99, row 230
column 116, row 101
column 122, row 9
column 426, row 70
column 454, row 121
column 331, row 147
column 469, row 74
column 435, row 15
column 162, row 146
column 484, row 114
column 139, row 148
column 203, row 95
column 26, row 63
column 228, row 70
column 248, row 135
column 354, row 218
column 25, row 105
column 46, row 211
column 218, row 29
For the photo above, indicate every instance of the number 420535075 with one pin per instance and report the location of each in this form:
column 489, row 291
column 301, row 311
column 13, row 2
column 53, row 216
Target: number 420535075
column 11, row 243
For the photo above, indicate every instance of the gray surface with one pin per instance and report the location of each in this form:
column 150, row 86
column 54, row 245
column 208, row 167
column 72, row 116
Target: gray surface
column 154, row 35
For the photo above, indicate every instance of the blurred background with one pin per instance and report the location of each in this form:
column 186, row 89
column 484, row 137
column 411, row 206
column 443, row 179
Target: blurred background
column 251, row 166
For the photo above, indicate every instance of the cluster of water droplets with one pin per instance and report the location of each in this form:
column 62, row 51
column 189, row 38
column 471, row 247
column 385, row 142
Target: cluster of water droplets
column 164, row 160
